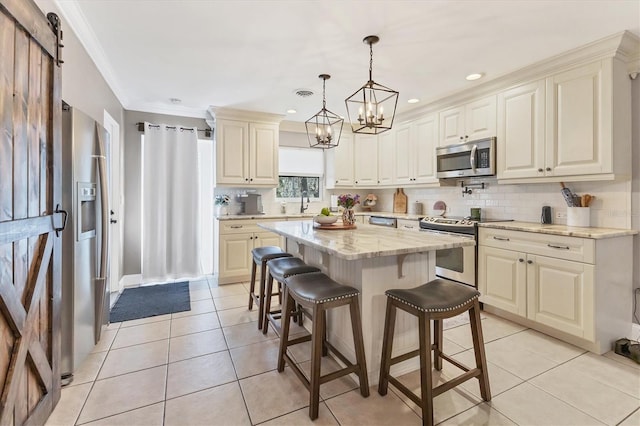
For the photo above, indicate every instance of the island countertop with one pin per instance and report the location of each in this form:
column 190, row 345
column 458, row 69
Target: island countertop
column 366, row 241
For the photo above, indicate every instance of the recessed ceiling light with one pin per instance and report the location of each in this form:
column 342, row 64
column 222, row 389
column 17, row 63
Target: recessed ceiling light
column 291, row 111
column 175, row 100
column 413, row 100
column 474, row 76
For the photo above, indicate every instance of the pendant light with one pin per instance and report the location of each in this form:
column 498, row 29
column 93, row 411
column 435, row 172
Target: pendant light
column 371, row 108
column 324, row 128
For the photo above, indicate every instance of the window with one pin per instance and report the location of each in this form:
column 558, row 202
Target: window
column 294, row 186
column 301, row 170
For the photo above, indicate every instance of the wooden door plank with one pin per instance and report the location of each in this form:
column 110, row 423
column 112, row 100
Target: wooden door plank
column 30, row 17
column 43, row 134
column 54, row 173
column 20, row 125
column 7, row 341
column 7, row 34
column 12, row 309
column 37, row 274
column 20, row 408
column 34, row 110
column 19, row 229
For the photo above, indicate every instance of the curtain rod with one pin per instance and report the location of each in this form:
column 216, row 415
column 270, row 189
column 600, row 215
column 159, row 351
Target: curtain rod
column 207, row 132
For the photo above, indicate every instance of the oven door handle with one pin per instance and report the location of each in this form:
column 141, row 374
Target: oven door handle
column 472, row 158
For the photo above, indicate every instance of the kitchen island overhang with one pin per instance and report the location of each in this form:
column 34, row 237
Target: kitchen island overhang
column 372, row 259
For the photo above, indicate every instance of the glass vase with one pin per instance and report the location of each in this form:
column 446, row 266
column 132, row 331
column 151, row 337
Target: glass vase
column 348, row 217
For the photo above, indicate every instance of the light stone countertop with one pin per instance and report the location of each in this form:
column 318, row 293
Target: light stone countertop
column 310, row 215
column 265, row 216
column 563, row 230
column 366, row 241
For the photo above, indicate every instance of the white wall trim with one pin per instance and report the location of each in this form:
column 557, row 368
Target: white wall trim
column 131, row 280
column 635, row 332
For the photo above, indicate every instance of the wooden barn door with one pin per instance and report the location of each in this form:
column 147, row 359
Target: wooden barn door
column 30, row 263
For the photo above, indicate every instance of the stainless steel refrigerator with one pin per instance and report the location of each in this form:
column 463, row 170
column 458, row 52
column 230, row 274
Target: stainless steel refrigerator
column 85, row 289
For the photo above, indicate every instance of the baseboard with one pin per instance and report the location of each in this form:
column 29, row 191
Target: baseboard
column 635, row 332
column 130, row 280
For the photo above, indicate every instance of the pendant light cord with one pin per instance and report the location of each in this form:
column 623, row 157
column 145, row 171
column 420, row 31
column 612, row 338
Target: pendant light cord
column 370, row 62
column 324, row 102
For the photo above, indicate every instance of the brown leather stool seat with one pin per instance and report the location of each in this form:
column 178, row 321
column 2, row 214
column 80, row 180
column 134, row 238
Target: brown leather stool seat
column 436, row 300
column 318, row 293
column 279, row 269
column 261, row 255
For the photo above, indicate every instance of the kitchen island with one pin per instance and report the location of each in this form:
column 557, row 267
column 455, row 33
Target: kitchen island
column 372, row 259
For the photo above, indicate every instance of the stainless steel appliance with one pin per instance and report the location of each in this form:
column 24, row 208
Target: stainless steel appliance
column 85, row 260
column 467, row 159
column 390, row 222
column 458, row 264
column 251, row 203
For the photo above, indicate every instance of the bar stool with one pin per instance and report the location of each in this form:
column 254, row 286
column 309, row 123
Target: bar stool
column 318, row 293
column 279, row 269
column 261, row 255
column 436, row 300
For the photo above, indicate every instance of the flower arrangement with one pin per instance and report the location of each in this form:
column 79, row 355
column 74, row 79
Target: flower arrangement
column 223, row 200
column 348, row 201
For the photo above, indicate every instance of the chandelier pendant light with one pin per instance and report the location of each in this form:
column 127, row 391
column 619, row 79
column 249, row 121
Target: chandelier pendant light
column 372, row 108
column 324, row 128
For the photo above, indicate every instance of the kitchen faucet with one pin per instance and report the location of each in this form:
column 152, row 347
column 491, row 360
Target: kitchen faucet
column 302, row 207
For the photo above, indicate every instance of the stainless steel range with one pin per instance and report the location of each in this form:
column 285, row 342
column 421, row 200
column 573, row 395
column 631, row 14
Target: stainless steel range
column 457, row 264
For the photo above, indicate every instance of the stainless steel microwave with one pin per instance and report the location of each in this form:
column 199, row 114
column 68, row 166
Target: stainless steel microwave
column 475, row 158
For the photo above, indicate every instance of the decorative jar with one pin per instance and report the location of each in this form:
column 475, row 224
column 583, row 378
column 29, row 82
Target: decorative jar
column 348, row 217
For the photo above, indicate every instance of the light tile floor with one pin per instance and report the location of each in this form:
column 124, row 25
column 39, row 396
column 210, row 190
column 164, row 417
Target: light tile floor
column 211, row 366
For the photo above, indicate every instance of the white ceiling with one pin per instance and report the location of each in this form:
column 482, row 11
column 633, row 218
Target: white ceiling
column 253, row 54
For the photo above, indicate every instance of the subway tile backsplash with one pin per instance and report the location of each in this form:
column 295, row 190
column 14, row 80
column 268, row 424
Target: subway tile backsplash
column 611, row 207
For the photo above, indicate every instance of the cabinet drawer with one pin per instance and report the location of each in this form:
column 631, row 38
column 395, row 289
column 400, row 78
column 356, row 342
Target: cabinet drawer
column 408, row 225
column 558, row 247
column 241, row 226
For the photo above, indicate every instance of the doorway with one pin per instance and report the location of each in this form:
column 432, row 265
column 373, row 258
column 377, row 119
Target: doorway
column 112, row 149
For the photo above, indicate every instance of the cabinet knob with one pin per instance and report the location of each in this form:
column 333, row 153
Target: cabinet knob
column 336, row 181
column 466, row 136
column 246, row 179
column 356, row 181
column 461, row 138
column 548, row 169
column 520, row 260
column 540, row 170
column 251, row 179
column 529, row 262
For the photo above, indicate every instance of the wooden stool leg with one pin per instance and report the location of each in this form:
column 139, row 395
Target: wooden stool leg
column 267, row 304
column 426, row 379
column 279, row 293
column 437, row 346
column 316, row 360
column 478, row 348
column 358, row 343
column 325, row 348
column 387, row 346
column 263, row 272
column 252, row 288
column 289, row 304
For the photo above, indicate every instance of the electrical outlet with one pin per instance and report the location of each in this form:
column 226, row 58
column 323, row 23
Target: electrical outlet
column 561, row 214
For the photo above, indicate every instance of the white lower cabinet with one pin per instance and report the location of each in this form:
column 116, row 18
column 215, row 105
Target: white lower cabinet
column 565, row 286
column 237, row 239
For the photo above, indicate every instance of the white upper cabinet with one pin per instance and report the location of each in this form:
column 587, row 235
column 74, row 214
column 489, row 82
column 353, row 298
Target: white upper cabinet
column 339, row 163
column 521, row 133
column 472, row 121
column 365, row 160
column 386, row 156
column 416, row 144
column 579, row 121
column 574, row 124
column 246, row 148
column 263, row 154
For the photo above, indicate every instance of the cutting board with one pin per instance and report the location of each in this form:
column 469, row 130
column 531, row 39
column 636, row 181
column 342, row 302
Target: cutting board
column 399, row 201
column 334, row 226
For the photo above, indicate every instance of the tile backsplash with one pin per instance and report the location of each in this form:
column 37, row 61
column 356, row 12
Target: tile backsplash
column 610, row 208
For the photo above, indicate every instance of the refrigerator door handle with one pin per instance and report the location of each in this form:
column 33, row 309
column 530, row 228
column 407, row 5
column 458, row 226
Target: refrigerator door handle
column 101, row 279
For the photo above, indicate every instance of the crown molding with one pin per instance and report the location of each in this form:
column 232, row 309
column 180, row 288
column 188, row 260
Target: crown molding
column 238, row 114
column 77, row 21
column 177, row 110
column 623, row 45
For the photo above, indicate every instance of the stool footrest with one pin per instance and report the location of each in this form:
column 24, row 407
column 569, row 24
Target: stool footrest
column 456, row 381
column 405, row 390
column 404, row 357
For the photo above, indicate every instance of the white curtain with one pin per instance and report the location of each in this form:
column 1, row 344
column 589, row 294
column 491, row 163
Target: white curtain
column 171, row 204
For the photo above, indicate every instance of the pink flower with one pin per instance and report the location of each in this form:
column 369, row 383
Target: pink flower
column 348, row 200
